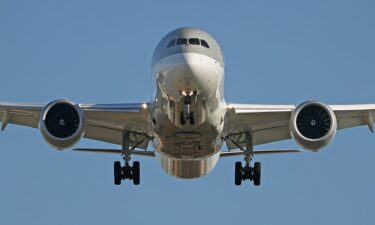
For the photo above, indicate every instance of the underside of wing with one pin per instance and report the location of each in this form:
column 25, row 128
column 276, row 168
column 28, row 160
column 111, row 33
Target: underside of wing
column 108, row 122
column 268, row 123
column 20, row 113
column 354, row 115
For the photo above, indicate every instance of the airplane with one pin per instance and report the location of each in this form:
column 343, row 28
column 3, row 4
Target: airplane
column 188, row 121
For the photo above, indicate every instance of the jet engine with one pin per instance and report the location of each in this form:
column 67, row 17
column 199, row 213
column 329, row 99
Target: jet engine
column 61, row 123
column 313, row 125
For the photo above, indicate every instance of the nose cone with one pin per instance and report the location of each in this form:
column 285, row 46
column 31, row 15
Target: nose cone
column 189, row 72
column 188, row 66
column 182, row 74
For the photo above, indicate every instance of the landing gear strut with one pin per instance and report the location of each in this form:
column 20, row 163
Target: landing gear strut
column 187, row 114
column 247, row 172
column 190, row 116
column 126, row 171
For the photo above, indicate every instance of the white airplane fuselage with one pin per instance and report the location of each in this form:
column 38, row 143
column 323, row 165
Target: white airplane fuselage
column 188, row 111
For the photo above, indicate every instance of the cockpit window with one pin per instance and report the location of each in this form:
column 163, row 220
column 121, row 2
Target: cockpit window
column 194, row 41
column 185, row 41
column 181, row 41
column 171, row 43
column 204, row 44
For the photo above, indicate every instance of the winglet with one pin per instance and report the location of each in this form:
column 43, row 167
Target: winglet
column 5, row 120
column 369, row 121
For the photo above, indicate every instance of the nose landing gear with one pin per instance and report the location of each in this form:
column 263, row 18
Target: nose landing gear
column 190, row 116
column 187, row 114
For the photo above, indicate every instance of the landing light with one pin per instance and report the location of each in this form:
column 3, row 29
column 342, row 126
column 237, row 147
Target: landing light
column 144, row 105
column 191, row 93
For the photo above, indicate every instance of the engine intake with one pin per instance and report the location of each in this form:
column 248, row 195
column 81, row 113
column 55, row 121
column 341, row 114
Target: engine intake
column 62, row 123
column 313, row 125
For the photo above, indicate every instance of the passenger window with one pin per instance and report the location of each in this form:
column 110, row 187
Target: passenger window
column 204, row 44
column 181, row 41
column 171, row 43
column 194, row 41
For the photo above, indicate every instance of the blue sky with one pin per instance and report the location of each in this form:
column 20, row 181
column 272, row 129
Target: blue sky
column 276, row 52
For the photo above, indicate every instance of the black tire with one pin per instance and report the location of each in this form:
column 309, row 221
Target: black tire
column 192, row 118
column 257, row 173
column 117, row 173
column 136, row 173
column 182, row 118
column 238, row 173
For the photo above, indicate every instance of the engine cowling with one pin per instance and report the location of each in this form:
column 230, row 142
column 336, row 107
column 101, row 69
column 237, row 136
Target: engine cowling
column 61, row 123
column 313, row 125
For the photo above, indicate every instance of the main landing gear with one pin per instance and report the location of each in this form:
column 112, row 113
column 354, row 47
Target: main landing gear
column 126, row 171
column 247, row 172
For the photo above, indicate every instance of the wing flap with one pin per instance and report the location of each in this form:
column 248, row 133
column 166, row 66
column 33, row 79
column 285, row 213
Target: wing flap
column 115, row 151
column 260, row 152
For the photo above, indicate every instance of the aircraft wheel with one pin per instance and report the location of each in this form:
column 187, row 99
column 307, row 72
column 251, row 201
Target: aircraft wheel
column 136, row 173
column 257, row 173
column 182, row 118
column 238, row 173
column 192, row 118
column 117, row 173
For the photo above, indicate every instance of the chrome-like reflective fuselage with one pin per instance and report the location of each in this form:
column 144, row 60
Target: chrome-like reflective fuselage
column 189, row 109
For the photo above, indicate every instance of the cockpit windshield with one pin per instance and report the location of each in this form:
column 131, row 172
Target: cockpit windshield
column 181, row 41
column 194, row 41
column 204, row 44
column 171, row 43
column 185, row 41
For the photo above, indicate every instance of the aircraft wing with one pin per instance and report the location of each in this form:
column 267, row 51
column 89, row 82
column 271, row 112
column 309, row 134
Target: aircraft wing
column 270, row 123
column 104, row 122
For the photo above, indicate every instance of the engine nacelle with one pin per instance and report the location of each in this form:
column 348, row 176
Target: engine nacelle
column 313, row 125
column 62, row 123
